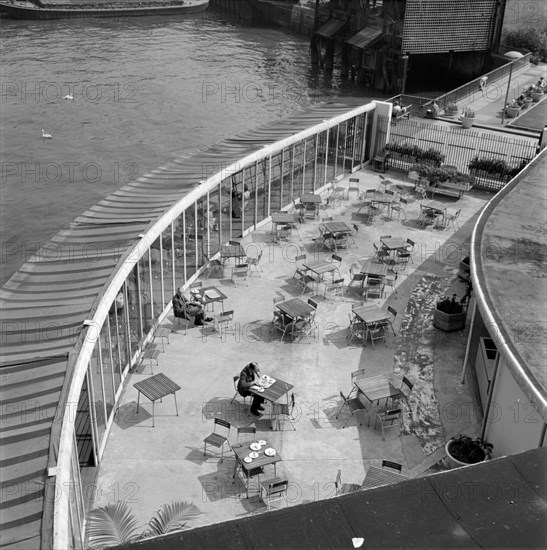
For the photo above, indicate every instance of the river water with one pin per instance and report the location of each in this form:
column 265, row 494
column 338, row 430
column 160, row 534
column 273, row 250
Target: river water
column 144, row 91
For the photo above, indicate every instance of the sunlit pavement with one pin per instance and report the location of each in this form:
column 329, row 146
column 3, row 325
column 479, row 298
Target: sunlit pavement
column 148, row 467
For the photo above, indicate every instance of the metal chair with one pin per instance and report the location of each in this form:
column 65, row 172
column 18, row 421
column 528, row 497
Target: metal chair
column 240, row 272
column 356, row 376
column 402, row 258
column 218, row 439
column 354, row 186
column 222, row 322
column 451, row 217
column 279, row 321
column 387, row 419
column 336, row 287
column 250, row 430
column 285, row 411
column 301, row 327
column 374, row 288
column 344, row 488
column 353, row 405
column 236, row 394
column 400, row 208
column 356, row 329
column 376, row 331
column 391, row 279
column 274, row 489
column 404, row 390
column 394, row 313
column 357, row 278
column 303, row 280
column 254, row 263
column 214, row 266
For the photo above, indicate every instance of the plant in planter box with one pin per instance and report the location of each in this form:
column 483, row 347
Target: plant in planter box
column 449, row 315
column 433, row 155
column 490, row 166
column 468, row 113
column 450, row 110
column 463, row 450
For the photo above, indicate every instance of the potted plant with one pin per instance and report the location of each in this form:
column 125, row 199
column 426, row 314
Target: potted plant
column 467, row 117
column 464, row 450
column 449, row 315
column 536, row 93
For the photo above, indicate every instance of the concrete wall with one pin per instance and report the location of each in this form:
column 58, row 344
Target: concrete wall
column 513, row 425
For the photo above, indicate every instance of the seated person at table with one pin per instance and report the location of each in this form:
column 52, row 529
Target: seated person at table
column 542, row 84
column 247, row 379
column 185, row 309
column 395, row 110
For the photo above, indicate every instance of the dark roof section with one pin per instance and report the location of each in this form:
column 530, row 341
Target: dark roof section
column 330, row 28
column 365, row 38
column 510, row 256
column 45, row 303
column 500, row 503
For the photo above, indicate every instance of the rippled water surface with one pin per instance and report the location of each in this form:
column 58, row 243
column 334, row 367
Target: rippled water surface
column 145, row 90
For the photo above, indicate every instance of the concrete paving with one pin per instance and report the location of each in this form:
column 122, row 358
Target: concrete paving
column 148, row 467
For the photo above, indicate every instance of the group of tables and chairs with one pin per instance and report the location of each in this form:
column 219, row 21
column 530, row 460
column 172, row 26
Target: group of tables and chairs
column 368, row 321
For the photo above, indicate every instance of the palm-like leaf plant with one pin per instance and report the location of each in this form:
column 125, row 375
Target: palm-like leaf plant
column 171, row 517
column 111, row 525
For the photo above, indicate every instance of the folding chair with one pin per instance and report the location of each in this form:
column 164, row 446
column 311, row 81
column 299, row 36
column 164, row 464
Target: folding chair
column 356, row 329
column 353, row 405
column 222, row 322
column 354, row 186
column 274, row 489
column 303, row 280
column 394, row 313
column 387, row 419
column 254, row 263
column 218, row 439
column 250, row 430
column 283, row 410
column 236, row 394
column 376, row 332
column 374, row 288
column 336, row 287
column 344, row 488
column 240, row 272
column 356, row 376
column 404, row 390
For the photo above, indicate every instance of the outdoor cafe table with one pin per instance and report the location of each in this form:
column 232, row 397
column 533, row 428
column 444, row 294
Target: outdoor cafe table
column 273, row 393
column 373, row 268
column 376, row 477
column 376, row 388
column 282, row 218
column 310, row 199
column 209, row 295
column 336, row 227
column 320, row 268
column 382, row 198
column 393, row 243
column 295, row 308
column 371, row 314
column 155, row 388
column 244, row 449
column 436, row 206
column 232, row 251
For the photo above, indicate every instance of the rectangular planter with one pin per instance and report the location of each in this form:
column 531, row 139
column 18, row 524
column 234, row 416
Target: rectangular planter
column 449, row 321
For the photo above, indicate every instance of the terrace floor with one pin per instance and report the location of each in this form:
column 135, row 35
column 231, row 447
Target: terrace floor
column 148, row 467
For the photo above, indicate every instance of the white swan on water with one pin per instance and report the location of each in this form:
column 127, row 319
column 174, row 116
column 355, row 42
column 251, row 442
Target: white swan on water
column 46, row 136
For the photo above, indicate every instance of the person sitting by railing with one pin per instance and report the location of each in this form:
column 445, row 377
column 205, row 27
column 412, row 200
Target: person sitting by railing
column 433, row 111
column 542, row 84
column 396, row 110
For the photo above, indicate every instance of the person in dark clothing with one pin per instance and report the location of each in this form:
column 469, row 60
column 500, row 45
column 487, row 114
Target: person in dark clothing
column 186, row 310
column 247, row 378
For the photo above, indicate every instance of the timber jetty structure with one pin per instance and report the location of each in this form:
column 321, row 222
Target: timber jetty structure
column 59, row 9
